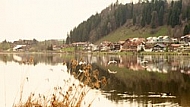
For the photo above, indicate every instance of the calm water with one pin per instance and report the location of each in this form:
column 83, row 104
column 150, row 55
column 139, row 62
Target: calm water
column 132, row 80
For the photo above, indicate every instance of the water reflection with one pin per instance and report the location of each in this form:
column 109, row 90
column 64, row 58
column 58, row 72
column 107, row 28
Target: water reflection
column 137, row 80
column 51, row 59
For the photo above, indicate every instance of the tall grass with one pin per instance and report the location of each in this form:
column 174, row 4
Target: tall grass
column 73, row 91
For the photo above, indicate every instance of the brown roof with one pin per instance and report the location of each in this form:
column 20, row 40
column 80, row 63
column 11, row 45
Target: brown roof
column 175, row 45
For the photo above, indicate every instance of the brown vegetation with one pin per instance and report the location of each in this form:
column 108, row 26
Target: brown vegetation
column 70, row 94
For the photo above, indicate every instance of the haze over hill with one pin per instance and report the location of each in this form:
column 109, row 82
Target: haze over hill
column 149, row 18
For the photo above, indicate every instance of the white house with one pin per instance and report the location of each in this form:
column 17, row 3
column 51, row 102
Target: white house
column 18, row 47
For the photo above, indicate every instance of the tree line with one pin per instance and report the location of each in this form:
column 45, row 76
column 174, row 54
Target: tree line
column 152, row 13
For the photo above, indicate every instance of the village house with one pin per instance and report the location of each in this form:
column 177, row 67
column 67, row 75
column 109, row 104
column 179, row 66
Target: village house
column 161, row 43
column 91, row 47
column 160, row 47
column 105, row 46
column 116, row 47
column 151, row 40
column 156, row 44
column 19, row 48
column 175, row 47
column 185, row 39
column 159, row 39
column 164, row 39
column 80, row 44
column 57, row 47
column 131, row 44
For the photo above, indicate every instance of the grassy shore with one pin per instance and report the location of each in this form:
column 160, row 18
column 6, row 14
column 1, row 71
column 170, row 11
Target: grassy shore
column 72, row 51
column 139, row 53
column 164, row 53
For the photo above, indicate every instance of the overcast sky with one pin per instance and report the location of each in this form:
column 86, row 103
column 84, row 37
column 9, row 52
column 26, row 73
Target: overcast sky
column 45, row 19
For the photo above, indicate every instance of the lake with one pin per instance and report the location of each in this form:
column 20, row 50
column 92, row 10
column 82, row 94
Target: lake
column 132, row 80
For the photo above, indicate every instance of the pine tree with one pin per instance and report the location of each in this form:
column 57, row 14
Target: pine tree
column 132, row 8
column 161, row 16
column 134, row 20
column 186, row 30
column 143, row 22
column 188, row 13
column 154, row 19
column 148, row 13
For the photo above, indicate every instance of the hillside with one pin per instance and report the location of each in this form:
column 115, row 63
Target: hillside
column 124, row 32
column 121, row 21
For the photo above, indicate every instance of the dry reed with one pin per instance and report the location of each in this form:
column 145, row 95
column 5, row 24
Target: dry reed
column 72, row 92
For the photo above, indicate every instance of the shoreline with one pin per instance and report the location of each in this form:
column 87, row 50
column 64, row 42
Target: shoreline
column 99, row 53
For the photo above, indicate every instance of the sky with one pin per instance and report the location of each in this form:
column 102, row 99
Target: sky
column 45, row 19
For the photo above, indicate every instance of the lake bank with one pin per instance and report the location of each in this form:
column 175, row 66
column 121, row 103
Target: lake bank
column 97, row 53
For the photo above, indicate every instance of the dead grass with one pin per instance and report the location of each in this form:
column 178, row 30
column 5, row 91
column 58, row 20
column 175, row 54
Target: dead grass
column 71, row 93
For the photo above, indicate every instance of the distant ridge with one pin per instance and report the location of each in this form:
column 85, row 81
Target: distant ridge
column 121, row 21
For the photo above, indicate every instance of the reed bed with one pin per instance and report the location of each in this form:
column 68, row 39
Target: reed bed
column 72, row 93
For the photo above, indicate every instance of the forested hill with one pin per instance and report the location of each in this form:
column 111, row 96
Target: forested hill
column 150, row 14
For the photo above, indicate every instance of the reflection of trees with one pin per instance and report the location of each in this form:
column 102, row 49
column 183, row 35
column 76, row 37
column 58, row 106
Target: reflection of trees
column 152, row 63
column 142, row 82
column 51, row 59
column 127, row 81
column 6, row 57
column 164, row 64
column 156, row 63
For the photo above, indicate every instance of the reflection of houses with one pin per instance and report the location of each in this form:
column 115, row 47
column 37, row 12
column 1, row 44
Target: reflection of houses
column 130, row 62
column 136, row 67
column 150, row 64
column 158, row 67
column 17, row 58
